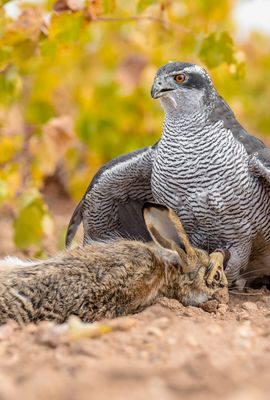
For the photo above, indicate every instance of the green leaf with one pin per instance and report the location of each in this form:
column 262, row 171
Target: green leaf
column 29, row 223
column 238, row 70
column 85, row 127
column 2, row 2
column 216, row 49
column 10, row 84
column 23, row 53
column 39, row 112
column 66, row 28
column 48, row 49
column 143, row 4
column 207, row 6
column 5, row 56
column 108, row 6
column 3, row 190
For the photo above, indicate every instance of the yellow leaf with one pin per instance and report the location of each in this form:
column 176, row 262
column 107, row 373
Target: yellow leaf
column 78, row 330
column 94, row 8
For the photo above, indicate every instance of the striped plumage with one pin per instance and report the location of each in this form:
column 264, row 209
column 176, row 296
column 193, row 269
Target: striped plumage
column 202, row 172
column 205, row 166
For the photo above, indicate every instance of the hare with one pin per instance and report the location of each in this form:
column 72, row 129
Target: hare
column 110, row 279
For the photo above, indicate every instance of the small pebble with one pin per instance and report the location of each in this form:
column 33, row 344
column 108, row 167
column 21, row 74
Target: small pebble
column 244, row 315
column 171, row 304
column 210, row 306
column 249, row 306
column 266, row 299
column 222, row 295
column 223, row 308
column 153, row 330
column 191, row 311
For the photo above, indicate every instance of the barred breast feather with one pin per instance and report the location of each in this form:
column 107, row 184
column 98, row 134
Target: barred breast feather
column 201, row 171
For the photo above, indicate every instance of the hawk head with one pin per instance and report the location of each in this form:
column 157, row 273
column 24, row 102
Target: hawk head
column 183, row 88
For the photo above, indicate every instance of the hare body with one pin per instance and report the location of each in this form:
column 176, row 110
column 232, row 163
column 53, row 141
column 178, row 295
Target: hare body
column 102, row 280
column 96, row 281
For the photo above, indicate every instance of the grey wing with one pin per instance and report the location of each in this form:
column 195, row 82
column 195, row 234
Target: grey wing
column 223, row 112
column 112, row 204
column 259, row 162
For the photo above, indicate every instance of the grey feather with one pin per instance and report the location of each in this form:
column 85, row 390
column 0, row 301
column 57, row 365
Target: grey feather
column 223, row 112
column 74, row 223
column 113, row 201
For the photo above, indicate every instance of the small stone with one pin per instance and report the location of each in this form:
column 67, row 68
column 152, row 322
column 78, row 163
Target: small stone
column 171, row 304
column 223, row 308
column 260, row 304
column 266, row 299
column 191, row 311
column 153, row 330
column 249, row 306
column 210, row 306
column 244, row 315
column 222, row 295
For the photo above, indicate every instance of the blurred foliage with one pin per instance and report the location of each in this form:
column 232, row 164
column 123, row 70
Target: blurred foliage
column 75, row 78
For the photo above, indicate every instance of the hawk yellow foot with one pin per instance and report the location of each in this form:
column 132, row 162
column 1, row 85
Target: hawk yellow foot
column 215, row 271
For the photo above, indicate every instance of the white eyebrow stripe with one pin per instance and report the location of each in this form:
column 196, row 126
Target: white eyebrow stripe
column 194, row 68
column 173, row 73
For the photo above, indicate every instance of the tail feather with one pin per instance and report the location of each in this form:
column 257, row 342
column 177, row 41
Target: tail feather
column 74, row 223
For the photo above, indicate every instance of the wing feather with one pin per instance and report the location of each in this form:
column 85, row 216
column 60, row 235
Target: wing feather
column 259, row 162
column 223, row 112
column 112, row 203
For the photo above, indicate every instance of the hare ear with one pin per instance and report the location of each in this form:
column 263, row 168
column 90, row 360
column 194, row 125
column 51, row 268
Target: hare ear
column 166, row 228
column 159, row 225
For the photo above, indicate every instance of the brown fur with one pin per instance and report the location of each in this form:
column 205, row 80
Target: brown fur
column 101, row 280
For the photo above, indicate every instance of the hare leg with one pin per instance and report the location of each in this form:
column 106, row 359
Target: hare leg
column 216, row 266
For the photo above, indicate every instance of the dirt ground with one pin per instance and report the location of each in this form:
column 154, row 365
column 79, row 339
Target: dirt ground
column 166, row 352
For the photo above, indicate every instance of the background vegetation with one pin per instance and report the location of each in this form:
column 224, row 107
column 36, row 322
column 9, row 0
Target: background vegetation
column 75, row 78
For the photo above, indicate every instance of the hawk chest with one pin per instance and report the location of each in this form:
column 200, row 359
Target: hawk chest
column 201, row 179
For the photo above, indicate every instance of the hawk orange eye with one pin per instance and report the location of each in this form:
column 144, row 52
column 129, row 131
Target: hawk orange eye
column 179, row 78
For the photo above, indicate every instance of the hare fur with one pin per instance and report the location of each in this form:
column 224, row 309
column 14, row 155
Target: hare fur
column 108, row 279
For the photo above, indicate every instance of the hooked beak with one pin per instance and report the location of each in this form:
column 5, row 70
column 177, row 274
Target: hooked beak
column 158, row 90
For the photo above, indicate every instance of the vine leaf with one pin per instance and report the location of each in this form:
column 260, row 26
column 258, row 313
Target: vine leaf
column 143, row 4
column 216, row 49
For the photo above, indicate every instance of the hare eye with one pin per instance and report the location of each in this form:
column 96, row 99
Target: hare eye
column 179, row 78
column 217, row 276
